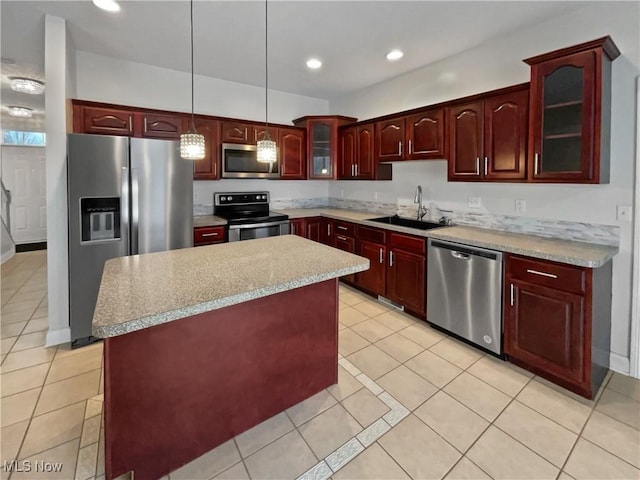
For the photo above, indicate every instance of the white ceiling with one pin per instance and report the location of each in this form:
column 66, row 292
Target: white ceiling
column 351, row 38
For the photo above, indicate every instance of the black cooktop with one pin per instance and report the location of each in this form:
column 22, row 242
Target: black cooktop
column 242, row 208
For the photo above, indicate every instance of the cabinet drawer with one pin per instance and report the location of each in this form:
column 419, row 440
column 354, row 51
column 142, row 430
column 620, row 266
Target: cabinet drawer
column 372, row 235
column 549, row 274
column 208, row 235
column 408, row 243
column 344, row 228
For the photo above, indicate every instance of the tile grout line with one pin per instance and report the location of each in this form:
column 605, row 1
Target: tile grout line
column 244, row 465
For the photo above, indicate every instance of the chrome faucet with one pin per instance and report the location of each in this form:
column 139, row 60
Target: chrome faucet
column 422, row 211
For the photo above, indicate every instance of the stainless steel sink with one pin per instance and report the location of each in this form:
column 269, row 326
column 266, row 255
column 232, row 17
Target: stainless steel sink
column 407, row 222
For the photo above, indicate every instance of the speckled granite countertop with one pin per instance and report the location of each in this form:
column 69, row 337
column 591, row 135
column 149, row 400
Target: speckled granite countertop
column 565, row 251
column 141, row 291
column 208, row 221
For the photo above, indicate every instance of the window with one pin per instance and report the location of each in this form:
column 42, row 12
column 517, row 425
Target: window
column 30, row 139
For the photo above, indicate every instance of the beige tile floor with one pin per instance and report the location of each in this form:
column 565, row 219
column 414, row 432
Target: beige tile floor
column 422, row 406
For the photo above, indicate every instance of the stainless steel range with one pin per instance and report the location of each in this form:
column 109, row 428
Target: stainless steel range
column 248, row 215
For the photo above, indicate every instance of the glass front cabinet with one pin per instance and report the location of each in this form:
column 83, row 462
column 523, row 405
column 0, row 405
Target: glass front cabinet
column 322, row 144
column 570, row 112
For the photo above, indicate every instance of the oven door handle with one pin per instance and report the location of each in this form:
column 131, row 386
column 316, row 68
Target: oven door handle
column 257, row 225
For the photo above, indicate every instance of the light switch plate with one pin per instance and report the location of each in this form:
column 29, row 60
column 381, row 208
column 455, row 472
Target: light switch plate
column 474, row 202
column 623, row 213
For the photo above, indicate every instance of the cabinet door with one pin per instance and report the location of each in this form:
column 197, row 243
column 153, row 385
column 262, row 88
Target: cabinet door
column 208, row 235
column 327, row 231
column 425, row 135
column 465, row 148
column 505, row 136
column 258, row 133
column 374, row 279
column 293, row 158
column 209, row 167
column 346, row 244
column 562, row 118
column 106, row 121
column 406, row 278
column 314, row 229
column 321, row 148
column 347, row 159
column 390, row 138
column 544, row 329
column 237, row 132
column 164, row 126
column 365, row 164
column 298, row 227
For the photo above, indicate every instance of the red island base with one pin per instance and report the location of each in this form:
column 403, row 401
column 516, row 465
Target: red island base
column 177, row 390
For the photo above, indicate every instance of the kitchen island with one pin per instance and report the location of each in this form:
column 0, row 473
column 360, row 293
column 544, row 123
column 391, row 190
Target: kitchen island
column 204, row 343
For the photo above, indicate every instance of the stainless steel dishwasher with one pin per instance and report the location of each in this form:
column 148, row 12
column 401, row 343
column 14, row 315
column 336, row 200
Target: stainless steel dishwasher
column 464, row 292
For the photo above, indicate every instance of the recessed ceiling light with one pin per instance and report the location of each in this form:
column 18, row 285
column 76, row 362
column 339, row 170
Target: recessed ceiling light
column 394, row 55
column 22, row 112
column 27, row 85
column 314, row 63
column 108, row 5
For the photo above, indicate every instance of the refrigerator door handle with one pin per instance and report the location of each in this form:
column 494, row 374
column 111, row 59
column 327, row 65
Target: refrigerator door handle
column 134, row 211
column 124, row 200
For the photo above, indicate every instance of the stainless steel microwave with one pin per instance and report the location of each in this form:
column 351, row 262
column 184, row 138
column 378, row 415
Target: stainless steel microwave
column 240, row 161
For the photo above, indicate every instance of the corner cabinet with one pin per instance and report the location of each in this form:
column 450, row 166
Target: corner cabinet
column 323, row 144
column 356, row 161
column 557, row 321
column 570, row 116
column 488, row 137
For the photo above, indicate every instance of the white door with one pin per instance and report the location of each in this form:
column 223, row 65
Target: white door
column 23, row 174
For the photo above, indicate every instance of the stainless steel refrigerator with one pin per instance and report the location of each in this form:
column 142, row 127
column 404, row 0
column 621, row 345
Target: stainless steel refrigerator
column 126, row 196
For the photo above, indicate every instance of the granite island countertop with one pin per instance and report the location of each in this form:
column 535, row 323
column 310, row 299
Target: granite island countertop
column 582, row 254
column 141, row 291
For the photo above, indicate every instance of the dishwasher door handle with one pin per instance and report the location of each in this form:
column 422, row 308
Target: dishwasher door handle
column 460, row 255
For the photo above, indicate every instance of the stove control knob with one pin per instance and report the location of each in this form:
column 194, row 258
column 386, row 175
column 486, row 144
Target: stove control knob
column 229, row 198
column 222, row 199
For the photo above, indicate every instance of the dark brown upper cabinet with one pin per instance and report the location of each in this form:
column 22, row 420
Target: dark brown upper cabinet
column 237, row 132
column 164, row 126
column 488, row 138
column 356, row 160
column 208, row 168
column 323, row 144
column 570, row 113
column 102, row 120
column 293, row 153
column 389, row 144
column 425, row 135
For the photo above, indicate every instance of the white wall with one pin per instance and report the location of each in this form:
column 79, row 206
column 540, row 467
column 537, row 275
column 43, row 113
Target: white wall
column 106, row 79
column 58, row 69
column 498, row 64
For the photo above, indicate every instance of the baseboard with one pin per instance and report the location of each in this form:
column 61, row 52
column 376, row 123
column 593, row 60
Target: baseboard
column 58, row 337
column 31, row 247
column 7, row 255
column 618, row 363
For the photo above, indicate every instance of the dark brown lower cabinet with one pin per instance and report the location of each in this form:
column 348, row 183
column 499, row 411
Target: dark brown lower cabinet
column 208, row 235
column 406, row 276
column 347, row 244
column 313, row 226
column 298, row 227
column 374, row 279
column 557, row 321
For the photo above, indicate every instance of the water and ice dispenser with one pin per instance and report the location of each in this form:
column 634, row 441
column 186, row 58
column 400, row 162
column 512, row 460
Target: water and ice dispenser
column 100, row 218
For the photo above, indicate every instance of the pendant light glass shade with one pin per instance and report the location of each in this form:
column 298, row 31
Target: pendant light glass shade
column 266, row 148
column 266, row 151
column 192, row 143
column 192, row 146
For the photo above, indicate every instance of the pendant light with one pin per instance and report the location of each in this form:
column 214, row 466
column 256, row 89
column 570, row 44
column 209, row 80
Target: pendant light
column 192, row 143
column 266, row 148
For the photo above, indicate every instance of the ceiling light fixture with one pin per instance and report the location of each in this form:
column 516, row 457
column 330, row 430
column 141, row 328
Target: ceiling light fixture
column 107, row 5
column 314, row 63
column 394, row 55
column 192, row 143
column 266, row 148
column 22, row 112
column 27, row 85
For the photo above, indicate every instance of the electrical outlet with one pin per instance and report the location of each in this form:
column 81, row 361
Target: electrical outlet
column 520, row 206
column 474, row 202
column 623, row 213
